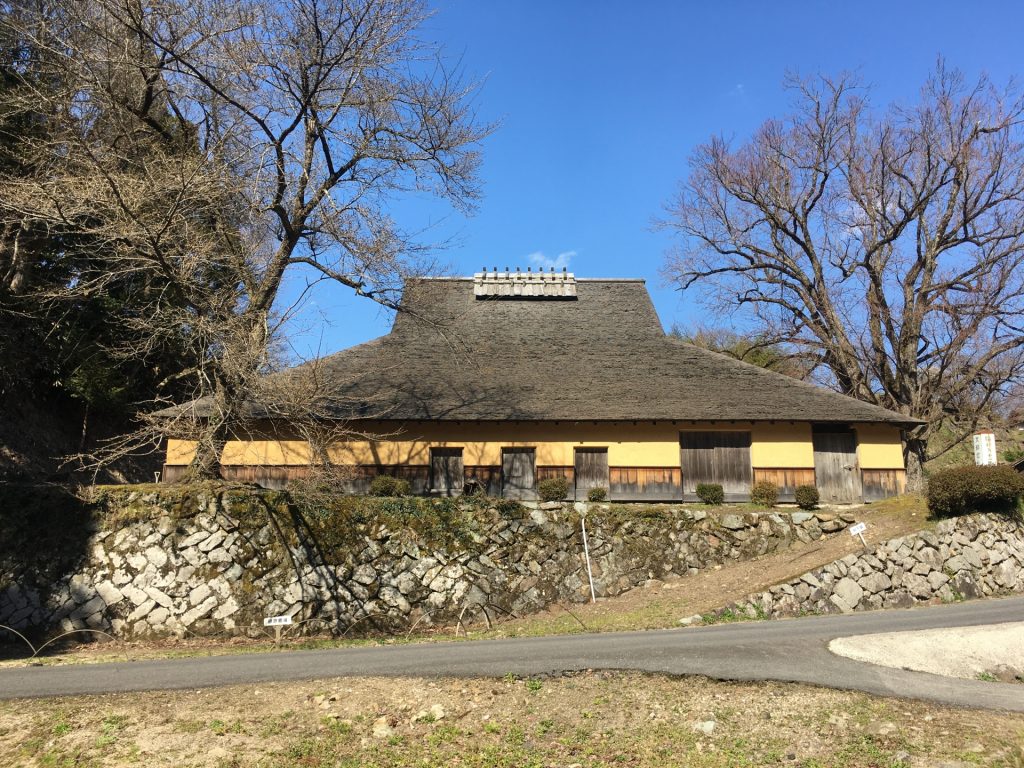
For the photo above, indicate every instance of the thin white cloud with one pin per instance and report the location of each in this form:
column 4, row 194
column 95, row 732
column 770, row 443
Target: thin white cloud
column 561, row 261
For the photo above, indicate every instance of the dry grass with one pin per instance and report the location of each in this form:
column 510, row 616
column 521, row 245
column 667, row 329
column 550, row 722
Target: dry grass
column 587, row 720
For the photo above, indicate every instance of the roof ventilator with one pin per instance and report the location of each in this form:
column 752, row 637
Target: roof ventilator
column 524, row 285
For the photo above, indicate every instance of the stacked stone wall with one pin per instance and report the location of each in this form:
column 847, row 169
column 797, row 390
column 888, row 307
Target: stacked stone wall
column 217, row 562
column 962, row 558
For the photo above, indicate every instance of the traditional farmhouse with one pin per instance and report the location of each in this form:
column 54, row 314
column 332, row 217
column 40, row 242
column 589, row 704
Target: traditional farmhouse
column 507, row 378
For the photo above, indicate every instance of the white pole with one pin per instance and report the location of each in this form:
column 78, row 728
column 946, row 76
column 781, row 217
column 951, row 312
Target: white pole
column 586, row 550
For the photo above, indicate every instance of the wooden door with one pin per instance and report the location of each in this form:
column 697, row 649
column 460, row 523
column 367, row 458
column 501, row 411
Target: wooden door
column 836, row 472
column 716, row 457
column 446, row 471
column 519, row 473
column 591, row 470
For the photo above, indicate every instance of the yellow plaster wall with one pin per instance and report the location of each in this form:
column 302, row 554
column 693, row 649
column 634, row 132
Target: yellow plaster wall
column 180, row 452
column 641, row 444
column 782, row 446
column 776, row 446
column 644, row 445
column 879, row 447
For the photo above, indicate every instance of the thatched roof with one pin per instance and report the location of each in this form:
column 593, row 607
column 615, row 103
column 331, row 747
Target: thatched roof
column 465, row 354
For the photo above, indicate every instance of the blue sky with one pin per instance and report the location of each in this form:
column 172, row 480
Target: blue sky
column 601, row 103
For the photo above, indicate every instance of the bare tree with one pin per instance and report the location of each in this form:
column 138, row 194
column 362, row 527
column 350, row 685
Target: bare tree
column 887, row 248
column 208, row 148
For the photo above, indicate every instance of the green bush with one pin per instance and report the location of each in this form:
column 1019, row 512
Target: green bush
column 386, row 485
column 764, row 493
column 597, row 494
column 962, row 490
column 710, row 493
column 807, row 496
column 1013, row 455
column 553, row 489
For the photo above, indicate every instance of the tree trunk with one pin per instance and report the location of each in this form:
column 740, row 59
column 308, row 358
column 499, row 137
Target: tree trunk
column 215, row 429
column 206, row 462
column 84, row 436
column 915, row 452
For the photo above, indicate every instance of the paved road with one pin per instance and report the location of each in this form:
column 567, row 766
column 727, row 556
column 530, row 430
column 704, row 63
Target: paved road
column 793, row 650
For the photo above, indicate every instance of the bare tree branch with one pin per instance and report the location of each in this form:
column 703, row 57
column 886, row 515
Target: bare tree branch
column 888, row 249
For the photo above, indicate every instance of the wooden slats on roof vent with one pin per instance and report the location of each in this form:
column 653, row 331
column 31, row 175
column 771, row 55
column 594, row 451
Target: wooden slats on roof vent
column 524, row 285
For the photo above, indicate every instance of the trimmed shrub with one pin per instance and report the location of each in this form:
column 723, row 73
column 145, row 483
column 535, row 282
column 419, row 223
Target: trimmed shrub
column 386, row 485
column 963, row 490
column 764, row 493
column 597, row 494
column 710, row 493
column 553, row 489
column 807, row 496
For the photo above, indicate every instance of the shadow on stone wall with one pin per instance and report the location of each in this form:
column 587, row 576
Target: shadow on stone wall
column 45, row 533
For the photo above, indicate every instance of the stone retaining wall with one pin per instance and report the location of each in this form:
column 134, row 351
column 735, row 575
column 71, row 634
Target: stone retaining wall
column 965, row 557
column 219, row 562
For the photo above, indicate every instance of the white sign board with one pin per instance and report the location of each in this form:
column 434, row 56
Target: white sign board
column 277, row 621
column 985, row 449
column 857, row 529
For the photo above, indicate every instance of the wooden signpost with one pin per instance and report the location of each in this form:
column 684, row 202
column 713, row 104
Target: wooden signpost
column 277, row 622
column 858, row 530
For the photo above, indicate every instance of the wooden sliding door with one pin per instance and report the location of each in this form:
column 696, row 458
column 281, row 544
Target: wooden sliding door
column 591, row 470
column 836, row 470
column 722, row 458
column 519, row 473
column 446, row 471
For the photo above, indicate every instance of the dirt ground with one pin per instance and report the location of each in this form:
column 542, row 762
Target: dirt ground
column 655, row 606
column 579, row 721
column 575, row 721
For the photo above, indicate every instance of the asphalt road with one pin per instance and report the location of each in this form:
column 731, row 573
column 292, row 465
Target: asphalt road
column 791, row 650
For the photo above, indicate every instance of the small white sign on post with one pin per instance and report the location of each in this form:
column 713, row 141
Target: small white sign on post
column 277, row 622
column 985, row 449
column 858, row 530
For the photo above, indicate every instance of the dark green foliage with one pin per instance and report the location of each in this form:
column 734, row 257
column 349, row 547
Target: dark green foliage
column 386, row 485
column 764, row 494
column 807, row 496
column 44, row 533
column 597, row 494
column 65, row 350
column 963, row 490
column 751, row 349
column 1013, row 455
column 710, row 493
column 553, row 489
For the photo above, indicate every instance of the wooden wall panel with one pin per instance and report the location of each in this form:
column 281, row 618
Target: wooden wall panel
column 549, row 472
column 446, row 472
column 644, row 484
column 786, row 479
column 546, row 473
column 716, row 457
column 835, row 465
column 265, row 477
column 882, row 483
column 486, row 477
column 591, row 471
column 519, row 473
